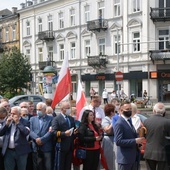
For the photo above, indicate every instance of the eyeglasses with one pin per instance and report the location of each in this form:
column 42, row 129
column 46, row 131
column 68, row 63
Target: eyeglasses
column 25, row 115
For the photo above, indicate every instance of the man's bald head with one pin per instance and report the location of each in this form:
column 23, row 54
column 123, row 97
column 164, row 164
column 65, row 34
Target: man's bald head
column 159, row 108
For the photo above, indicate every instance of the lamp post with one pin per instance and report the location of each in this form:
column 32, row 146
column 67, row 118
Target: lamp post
column 118, row 83
column 49, row 72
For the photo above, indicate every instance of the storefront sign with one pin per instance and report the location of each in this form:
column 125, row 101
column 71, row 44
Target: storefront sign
column 100, row 77
column 160, row 75
column 165, row 75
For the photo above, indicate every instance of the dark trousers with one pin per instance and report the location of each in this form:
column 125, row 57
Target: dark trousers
column 12, row 159
column 127, row 166
column 1, row 160
column 156, row 165
column 92, row 160
column 42, row 161
column 105, row 101
column 65, row 160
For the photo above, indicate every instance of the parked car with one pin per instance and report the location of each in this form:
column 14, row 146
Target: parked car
column 15, row 101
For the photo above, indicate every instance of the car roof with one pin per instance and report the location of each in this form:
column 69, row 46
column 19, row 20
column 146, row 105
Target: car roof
column 19, row 96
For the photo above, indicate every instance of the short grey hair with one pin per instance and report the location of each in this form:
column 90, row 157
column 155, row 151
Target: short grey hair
column 43, row 105
column 159, row 108
column 17, row 108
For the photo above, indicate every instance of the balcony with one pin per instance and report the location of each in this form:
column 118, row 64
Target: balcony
column 160, row 14
column 97, row 62
column 158, row 55
column 97, row 25
column 43, row 64
column 46, row 35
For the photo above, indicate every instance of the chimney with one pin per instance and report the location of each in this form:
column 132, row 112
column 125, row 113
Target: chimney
column 22, row 5
column 14, row 10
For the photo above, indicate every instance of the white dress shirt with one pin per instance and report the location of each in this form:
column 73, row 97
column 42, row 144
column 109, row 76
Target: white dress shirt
column 11, row 140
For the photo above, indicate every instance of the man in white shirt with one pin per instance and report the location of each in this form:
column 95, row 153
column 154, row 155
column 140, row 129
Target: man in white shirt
column 135, row 119
column 95, row 107
column 105, row 96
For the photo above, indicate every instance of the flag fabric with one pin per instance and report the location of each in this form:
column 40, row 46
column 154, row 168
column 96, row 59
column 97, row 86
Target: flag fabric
column 63, row 87
column 81, row 99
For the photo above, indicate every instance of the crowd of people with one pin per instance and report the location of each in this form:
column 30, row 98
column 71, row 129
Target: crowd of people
column 110, row 136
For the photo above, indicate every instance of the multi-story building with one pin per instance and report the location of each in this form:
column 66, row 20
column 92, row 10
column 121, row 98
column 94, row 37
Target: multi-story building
column 100, row 37
column 9, row 29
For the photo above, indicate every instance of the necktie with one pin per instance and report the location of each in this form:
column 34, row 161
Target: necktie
column 130, row 122
column 68, row 121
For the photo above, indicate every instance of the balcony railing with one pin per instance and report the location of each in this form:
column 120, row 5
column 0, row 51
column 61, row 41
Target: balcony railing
column 97, row 25
column 46, row 35
column 99, row 61
column 157, row 55
column 160, row 14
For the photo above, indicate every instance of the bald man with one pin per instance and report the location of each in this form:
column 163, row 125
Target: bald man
column 157, row 128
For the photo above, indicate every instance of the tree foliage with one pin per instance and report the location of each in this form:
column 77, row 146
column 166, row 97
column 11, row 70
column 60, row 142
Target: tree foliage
column 15, row 72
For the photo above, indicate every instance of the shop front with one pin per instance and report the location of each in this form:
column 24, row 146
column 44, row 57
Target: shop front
column 101, row 81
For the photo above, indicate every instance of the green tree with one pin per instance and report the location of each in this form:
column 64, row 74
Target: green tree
column 15, row 73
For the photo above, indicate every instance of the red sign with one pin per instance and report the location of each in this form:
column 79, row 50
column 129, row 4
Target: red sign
column 119, row 76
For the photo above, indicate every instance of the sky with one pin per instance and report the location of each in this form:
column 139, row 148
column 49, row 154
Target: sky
column 10, row 3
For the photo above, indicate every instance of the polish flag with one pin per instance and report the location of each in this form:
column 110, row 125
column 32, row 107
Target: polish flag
column 64, row 86
column 81, row 99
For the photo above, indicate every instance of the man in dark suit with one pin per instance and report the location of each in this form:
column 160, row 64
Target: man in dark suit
column 158, row 127
column 41, row 135
column 126, row 140
column 15, row 145
column 63, row 125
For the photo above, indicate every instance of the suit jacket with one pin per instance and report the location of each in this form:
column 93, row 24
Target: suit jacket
column 42, row 133
column 21, row 143
column 125, row 141
column 157, row 128
column 59, row 124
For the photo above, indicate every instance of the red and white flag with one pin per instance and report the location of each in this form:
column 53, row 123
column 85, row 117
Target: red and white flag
column 81, row 99
column 63, row 87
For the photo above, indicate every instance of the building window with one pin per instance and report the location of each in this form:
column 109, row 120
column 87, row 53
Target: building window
column 7, row 34
column 40, row 54
column 72, row 17
column 87, row 48
column 164, row 39
column 28, row 27
column 87, row 13
column 28, row 55
column 61, row 48
column 136, row 41
column 50, row 53
column 61, row 20
column 40, row 25
column 117, row 44
column 117, row 8
column 101, row 10
column 73, row 50
column 50, row 23
column 13, row 33
column 102, row 46
column 136, row 5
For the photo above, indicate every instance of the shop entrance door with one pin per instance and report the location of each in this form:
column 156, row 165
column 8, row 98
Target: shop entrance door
column 164, row 91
